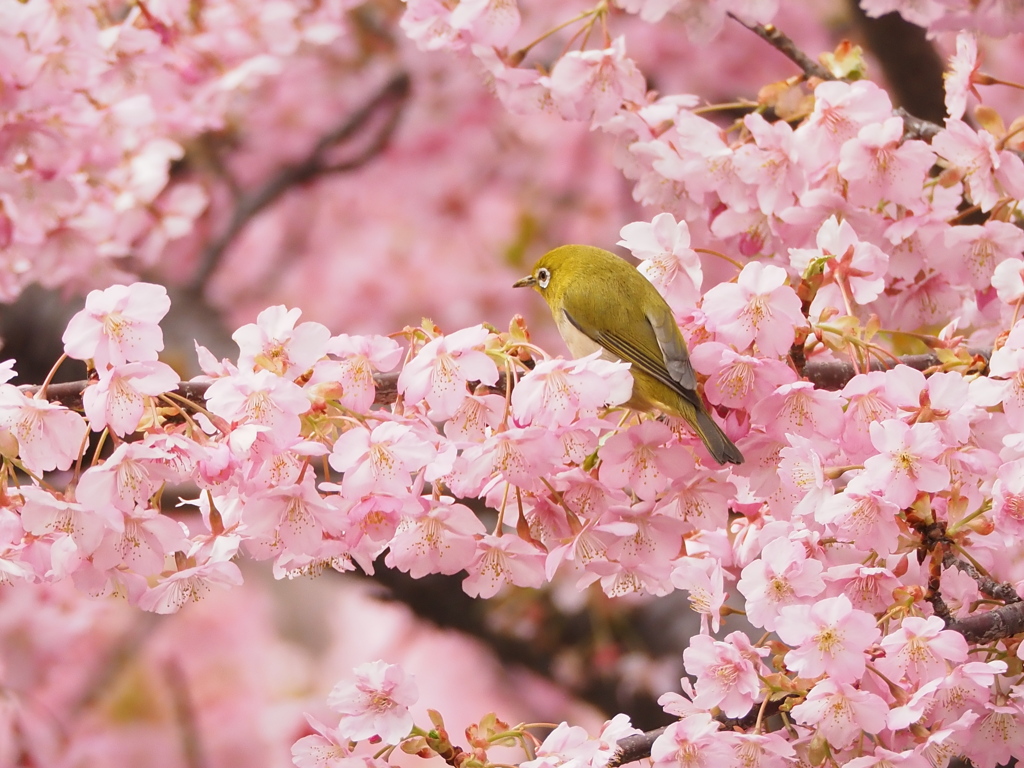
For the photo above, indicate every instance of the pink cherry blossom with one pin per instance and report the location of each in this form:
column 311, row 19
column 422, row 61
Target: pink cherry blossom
column 1008, row 498
column 963, row 65
column 921, row 650
column 475, row 419
column 921, row 12
column 503, row 560
column 771, row 164
column 704, row 579
column 566, row 745
column 189, row 585
column 260, row 398
column 558, row 392
column 490, row 22
column 49, row 435
column 800, row 409
column 440, row 370
column 520, row 456
column 699, row 497
column 736, row 380
column 43, row 513
column 989, row 173
column 663, row 246
column 867, row 401
column 907, row 461
column 869, row 588
column 587, row 548
column 289, row 518
column 862, row 515
column 125, row 481
column 639, row 458
column 1008, row 280
column 118, row 325
column 359, row 357
column 884, row 758
column 726, row 672
column 689, row 743
column 380, row 460
column 376, row 703
column 973, row 252
column 118, row 401
column 948, row 697
column 782, row 576
column 327, row 748
column 880, row 166
column 997, row 739
column 804, row 486
column 275, row 343
column 439, row 538
column 759, row 307
column 853, row 270
column 841, row 109
column 828, row 637
column 592, row 85
column 143, row 544
column 840, row 712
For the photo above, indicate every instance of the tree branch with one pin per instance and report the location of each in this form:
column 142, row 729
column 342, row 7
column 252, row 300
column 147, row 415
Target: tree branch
column 785, row 45
column 389, row 98
column 832, row 375
column 999, row 590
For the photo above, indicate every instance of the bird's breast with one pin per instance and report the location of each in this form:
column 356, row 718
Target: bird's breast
column 580, row 345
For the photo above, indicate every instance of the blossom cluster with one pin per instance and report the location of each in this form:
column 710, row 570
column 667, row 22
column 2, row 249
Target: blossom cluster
column 100, row 100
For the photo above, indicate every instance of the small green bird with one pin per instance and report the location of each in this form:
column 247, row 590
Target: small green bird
column 601, row 302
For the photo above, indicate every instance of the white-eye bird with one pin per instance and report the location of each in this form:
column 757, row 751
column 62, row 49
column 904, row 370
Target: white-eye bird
column 601, row 302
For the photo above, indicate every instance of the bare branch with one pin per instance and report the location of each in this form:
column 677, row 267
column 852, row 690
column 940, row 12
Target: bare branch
column 988, row 626
column 636, row 747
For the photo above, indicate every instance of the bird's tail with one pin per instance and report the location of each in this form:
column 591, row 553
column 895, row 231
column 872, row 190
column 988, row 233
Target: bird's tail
column 721, row 448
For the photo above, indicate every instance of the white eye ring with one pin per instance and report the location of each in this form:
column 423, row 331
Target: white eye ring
column 543, row 277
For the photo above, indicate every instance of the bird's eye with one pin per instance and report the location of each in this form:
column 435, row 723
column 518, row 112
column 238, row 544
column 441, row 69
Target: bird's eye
column 543, row 277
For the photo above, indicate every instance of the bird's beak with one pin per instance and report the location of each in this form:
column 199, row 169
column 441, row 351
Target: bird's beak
column 525, row 282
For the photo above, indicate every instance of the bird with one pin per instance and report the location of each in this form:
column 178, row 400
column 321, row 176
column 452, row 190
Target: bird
column 600, row 302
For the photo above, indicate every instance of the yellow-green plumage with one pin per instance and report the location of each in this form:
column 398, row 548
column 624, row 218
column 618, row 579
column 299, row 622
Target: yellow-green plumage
column 600, row 301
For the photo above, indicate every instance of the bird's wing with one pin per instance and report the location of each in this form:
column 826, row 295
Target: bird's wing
column 673, row 347
column 650, row 361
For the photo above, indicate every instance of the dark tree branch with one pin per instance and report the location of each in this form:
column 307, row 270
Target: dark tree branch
column 388, row 100
column 999, row 590
column 636, row 747
column 834, row 375
column 782, row 43
column 989, row 626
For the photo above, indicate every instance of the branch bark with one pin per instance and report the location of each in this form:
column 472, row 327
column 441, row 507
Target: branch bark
column 832, row 375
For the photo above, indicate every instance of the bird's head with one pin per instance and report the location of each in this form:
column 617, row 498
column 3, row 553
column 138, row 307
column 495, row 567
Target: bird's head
column 556, row 269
